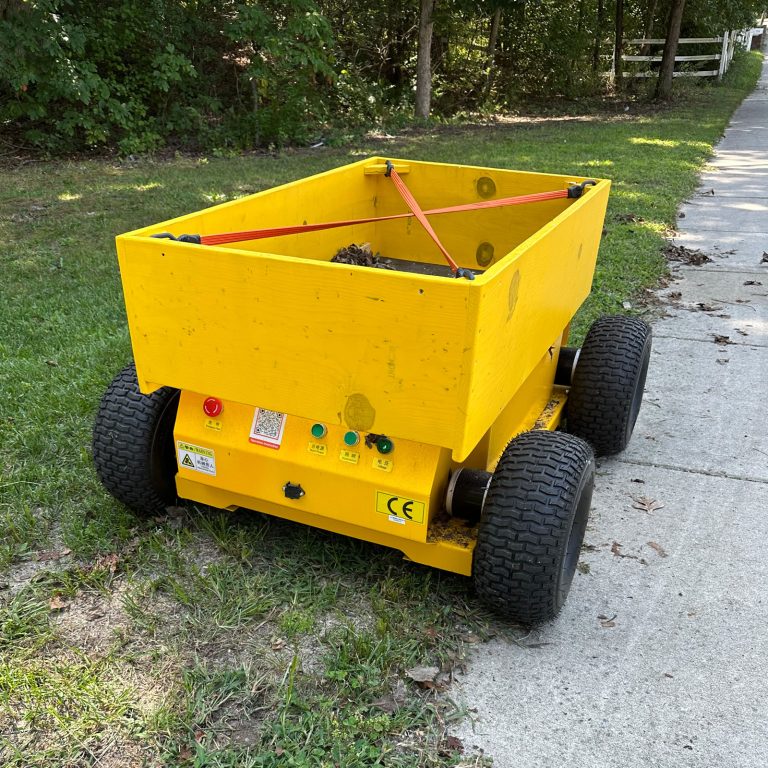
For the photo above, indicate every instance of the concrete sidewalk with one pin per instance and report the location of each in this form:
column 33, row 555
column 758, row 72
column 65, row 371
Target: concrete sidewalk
column 660, row 657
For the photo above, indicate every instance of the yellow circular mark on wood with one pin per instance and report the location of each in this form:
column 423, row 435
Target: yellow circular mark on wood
column 486, row 187
column 484, row 254
column 359, row 414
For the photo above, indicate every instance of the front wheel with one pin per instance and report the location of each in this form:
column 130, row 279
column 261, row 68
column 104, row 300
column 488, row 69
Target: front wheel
column 133, row 449
column 533, row 524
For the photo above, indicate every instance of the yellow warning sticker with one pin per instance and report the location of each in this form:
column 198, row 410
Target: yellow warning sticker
column 196, row 458
column 400, row 507
column 351, row 457
column 385, row 465
column 318, row 448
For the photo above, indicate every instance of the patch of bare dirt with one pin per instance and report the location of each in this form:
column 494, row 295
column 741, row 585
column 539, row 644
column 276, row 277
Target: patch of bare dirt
column 121, row 753
column 312, row 647
column 91, row 620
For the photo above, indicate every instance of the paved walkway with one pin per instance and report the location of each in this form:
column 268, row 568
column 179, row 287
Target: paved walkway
column 660, row 657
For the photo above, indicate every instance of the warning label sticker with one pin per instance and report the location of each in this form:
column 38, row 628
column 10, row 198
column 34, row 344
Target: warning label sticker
column 399, row 507
column 196, row 458
column 267, row 428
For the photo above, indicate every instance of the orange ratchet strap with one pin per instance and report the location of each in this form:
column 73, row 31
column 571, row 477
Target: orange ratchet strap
column 574, row 191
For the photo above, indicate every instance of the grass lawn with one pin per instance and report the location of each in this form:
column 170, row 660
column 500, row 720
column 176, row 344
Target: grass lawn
column 203, row 638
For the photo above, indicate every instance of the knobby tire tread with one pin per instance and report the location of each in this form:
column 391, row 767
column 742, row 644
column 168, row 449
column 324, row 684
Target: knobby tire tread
column 526, row 524
column 611, row 366
column 124, row 434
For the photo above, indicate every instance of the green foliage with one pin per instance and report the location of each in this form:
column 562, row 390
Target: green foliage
column 228, row 75
column 77, row 75
column 81, row 74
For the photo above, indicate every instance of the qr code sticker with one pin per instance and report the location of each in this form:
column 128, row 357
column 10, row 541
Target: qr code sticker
column 267, row 428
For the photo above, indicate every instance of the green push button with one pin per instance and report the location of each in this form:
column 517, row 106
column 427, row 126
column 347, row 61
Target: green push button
column 385, row 445
column 351, row 438
column 319, row 430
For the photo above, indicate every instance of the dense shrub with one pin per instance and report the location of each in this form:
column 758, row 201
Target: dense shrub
column 140, row 74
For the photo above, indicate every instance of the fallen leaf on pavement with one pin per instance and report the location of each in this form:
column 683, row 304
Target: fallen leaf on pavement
column 607, row 623
column 659, row 549
column 720, row 339
column 616, row 551
column 686, row 255
column 752, row 282
column 722, row 360
column 646, row 504
column 764, row 260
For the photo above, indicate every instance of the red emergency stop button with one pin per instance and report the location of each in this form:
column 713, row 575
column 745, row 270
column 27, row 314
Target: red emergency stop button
column 213, row 406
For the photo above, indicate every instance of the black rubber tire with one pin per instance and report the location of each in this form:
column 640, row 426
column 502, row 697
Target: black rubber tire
column 607, row 389
column 533, row 525
column 133, row 449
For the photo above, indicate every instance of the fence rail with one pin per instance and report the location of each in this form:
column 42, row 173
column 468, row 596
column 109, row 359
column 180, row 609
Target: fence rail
column 728, row 43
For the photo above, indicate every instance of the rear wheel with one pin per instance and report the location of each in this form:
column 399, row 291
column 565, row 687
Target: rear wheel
column 608, row 382
column 133, row 449
column 533, row 524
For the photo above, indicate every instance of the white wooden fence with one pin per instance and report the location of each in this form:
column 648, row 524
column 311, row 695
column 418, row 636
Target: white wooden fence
column 727, row 43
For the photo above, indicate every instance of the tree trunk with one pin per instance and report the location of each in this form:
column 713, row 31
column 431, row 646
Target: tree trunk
column 493, row 40
column 576, row 51
column 664, row 83
column 598, row 34
column 424, row 60
column 648, row 31
column 618, row 46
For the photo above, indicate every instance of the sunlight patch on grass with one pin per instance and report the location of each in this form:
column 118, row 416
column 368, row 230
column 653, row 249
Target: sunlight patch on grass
column 655, row 142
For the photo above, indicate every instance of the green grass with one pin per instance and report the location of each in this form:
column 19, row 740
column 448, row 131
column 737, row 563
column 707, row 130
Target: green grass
column 216, row 639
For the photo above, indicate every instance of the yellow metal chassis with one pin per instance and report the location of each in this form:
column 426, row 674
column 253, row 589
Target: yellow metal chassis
column 449, row 369
column 394, row 500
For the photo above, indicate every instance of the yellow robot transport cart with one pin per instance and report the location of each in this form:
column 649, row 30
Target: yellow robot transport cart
column 431, row 405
